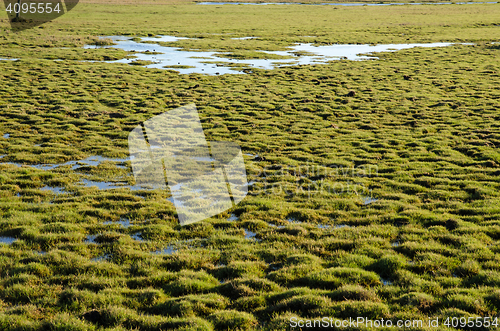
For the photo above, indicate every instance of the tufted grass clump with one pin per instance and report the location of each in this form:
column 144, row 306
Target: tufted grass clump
column 353, row 292
column 190, row 282
column 233, row 320
column 388, row 265
column 414, row 237
column 191, row 305
column 334, row 277
column 473, row 303
column 304, row 305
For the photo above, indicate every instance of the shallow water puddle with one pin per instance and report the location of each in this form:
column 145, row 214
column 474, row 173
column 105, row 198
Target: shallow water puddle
column 94, row 160
column 90, row 161
column 368, row 200
column 169, row 250
column 276, row 226
column 90, row 239
column 232, row 218
column 166, row 57
column 122, row 222
column 55, row 190
column 339, row 226
column 251, row 235
column 6, row 136
column 137, row 236
column 186, row 62
column 293, row 220
column 110, row 185
column 7, row 240
column 104, row 257
column 165, row 39
column 385, row 282
column 245, row 38
column 328, row 227
column 350, row 52
column 176, row 246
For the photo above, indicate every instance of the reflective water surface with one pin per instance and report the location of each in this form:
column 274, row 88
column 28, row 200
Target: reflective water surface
column 7, row 240
column 219, row 63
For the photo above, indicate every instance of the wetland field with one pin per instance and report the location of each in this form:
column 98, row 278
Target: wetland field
column 374, row 180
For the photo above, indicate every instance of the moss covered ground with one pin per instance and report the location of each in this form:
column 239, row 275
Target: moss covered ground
column 375, row 183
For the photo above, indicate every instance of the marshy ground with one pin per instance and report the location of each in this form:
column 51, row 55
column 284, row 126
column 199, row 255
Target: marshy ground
column 375, row 184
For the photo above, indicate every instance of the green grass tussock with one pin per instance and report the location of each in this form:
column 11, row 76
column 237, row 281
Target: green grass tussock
column 375, row 184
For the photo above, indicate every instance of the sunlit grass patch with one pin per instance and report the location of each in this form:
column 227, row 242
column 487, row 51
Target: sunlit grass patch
column 415, row 237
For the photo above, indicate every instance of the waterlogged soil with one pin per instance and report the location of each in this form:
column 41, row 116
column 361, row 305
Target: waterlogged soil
column 375, row 183
column 152, row 55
